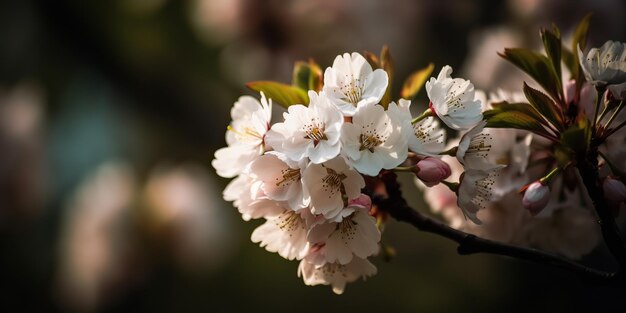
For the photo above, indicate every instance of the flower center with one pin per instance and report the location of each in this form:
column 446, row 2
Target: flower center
column 353, row 91
column 316, row 134
column 289, row 175
column 333, row 268
column 347, row 229
column 332, row 182
column 315, row 131
column 247, row 134
column 479, row 145
column 289, row 221
column 484, row 189
column 453, row 98
column 426, row 132
column 370, row 141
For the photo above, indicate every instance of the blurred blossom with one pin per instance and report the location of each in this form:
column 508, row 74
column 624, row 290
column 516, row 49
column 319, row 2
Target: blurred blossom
column 93, row 241
column 263, row 38
column 22, row 168
column 21, row 111
column 183, row 205
column 485, row 67
column 217, row 21
column 526, row 7
column 570, row 231
column 564, row 226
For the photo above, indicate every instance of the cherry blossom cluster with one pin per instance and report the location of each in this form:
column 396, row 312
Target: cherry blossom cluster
column 304, row 175
column 539, row 198
column 510, row 175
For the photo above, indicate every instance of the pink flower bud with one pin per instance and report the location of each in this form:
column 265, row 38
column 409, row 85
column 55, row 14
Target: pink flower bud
column 362, row 201
column 570, row 89
column 587, row 98
column 432, row 171
column 614, row 190
column 536, row 197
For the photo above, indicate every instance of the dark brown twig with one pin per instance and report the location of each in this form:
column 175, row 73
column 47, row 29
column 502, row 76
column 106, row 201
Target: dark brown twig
column 397, row 207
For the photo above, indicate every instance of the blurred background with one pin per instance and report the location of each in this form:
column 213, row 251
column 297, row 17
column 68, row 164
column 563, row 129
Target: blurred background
column 110, row 112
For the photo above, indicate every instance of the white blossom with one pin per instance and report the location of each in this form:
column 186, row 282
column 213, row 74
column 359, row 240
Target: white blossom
column 312, row 131
column 251, row 120
column 425, row 136
column 335, row 274
column 351, row 83
column 514, row 151
column 284, row 234
column 606, row 65
column 249, row 199
column 476, row 191
column 328, row 182
column 374, row 140
column 474, row 147
column 453, row 101
column 281, row 178
column 354, row 235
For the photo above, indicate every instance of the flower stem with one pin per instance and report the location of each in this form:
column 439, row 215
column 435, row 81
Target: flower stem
column 619, row 108
column 424, row 115
column 548, row 178
column 404, row 169
column 453, row 186
column 599, row 97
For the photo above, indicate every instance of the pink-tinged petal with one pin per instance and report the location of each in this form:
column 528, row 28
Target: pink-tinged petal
column 320, row 233
column 285, row 235
column 231, row 161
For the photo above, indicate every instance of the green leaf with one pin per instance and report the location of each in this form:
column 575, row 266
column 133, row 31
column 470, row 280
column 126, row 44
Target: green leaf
column 524, row 108
column 515, row 119
column 552, row 45
column 580, row 34
column 307, row 75
column 413, row 84
column 544, row 105
column 575, row 139
column 580, row 39
column 386, row 63
column 537, row 66
column 285, row 95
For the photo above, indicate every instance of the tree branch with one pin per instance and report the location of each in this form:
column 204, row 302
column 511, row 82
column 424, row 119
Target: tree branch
column 397, row 207
column 610, row 232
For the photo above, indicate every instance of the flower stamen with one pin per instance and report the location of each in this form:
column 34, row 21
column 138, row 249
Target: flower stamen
column 289, row 175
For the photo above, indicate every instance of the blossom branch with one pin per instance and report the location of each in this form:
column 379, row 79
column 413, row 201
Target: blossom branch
column 397, row 207
column 610, row 232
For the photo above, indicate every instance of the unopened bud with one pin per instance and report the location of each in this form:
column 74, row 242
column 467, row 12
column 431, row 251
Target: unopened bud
column 432, row 171
column 614, row 190
column 536, row 197
column 570, row 90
